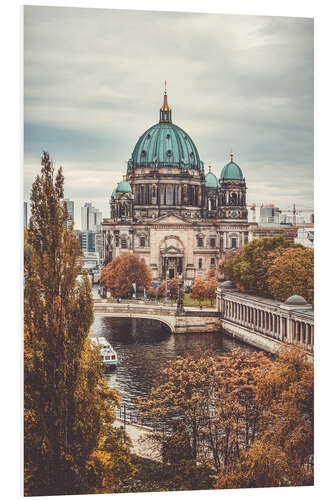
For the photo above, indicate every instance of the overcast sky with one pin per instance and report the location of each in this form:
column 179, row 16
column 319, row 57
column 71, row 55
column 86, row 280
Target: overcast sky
column 94, row 83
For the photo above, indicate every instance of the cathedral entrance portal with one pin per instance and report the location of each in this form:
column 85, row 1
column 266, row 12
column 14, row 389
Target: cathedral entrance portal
column 171, row 266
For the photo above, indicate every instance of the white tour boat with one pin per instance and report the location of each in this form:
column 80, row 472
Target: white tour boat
column 109, row 355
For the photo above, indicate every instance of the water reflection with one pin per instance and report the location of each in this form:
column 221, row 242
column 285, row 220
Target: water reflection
column 145, row 346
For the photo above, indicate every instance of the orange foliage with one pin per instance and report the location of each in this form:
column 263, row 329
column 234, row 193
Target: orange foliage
column 123, row 271
column 199, row 290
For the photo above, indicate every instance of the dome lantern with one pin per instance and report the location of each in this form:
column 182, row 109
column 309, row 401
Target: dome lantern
column 165, row 111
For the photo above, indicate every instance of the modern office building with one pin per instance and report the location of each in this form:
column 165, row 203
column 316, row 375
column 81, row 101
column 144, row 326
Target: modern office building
column 70, row 209
column 91, row 218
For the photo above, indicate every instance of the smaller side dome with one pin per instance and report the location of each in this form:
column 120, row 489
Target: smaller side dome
column 123, row 187
column 296, row 300
column 231, row 170
column 211, row 180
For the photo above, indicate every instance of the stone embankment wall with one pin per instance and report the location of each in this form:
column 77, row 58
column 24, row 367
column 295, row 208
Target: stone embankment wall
column 197, row 322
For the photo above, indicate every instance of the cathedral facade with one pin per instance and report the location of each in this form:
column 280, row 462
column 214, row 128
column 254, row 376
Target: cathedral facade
column 168, row 211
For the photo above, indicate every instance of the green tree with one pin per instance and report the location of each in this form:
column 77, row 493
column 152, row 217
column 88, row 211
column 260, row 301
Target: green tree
column 69, row 409
column 248, row 268
column 291, row 273
column 120, row 274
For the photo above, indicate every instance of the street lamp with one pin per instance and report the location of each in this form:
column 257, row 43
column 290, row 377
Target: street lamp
column 180, row 301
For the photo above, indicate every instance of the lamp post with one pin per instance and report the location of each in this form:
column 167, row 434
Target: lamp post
column 180, row 301
column 167, row 292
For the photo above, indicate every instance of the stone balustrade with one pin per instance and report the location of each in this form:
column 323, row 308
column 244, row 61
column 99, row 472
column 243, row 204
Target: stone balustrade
column 263, row 319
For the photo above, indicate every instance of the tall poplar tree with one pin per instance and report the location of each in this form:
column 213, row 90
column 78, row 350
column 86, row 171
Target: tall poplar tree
column 69, row 410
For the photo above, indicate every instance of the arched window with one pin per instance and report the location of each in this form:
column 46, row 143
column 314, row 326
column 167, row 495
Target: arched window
column 233, row 199
column 142, row 241
column 200, row 263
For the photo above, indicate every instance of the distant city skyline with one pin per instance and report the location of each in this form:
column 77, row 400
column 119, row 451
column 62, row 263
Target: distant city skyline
column 234, row 82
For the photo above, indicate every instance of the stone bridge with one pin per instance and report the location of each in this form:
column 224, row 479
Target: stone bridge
column 192, row 320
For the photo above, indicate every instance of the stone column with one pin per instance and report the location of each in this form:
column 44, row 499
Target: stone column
column 297, row 332
column 279, row 326
column 308, row 334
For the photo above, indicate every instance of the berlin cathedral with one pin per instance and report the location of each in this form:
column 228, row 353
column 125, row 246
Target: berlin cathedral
column 166, row 209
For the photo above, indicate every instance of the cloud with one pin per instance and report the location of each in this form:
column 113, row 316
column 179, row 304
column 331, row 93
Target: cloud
column 94, row 82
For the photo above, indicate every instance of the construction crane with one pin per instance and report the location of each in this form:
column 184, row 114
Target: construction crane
column 297, row 211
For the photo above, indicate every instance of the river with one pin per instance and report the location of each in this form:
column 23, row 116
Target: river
column 144, row 347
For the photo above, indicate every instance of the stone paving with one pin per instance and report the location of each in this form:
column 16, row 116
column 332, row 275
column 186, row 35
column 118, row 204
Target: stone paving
column 141, row 444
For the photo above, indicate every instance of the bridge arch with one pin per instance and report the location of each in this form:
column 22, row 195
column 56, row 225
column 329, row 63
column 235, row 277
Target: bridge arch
column 167, row 320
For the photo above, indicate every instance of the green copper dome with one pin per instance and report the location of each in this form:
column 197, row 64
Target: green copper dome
column 123, row 187
column 211, row 180
column 113, row 193
column 165, row 144
column 231, row 170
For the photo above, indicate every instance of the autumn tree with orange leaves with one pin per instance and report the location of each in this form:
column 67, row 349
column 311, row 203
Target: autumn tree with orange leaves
column 211, row 286
column 244, row 415
column 282, row 452
column 199, row 290
column 120, row 274
column 173, row 287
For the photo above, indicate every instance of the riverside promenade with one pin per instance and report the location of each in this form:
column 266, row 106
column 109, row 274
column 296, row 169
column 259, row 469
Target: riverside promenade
column 141, row 444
